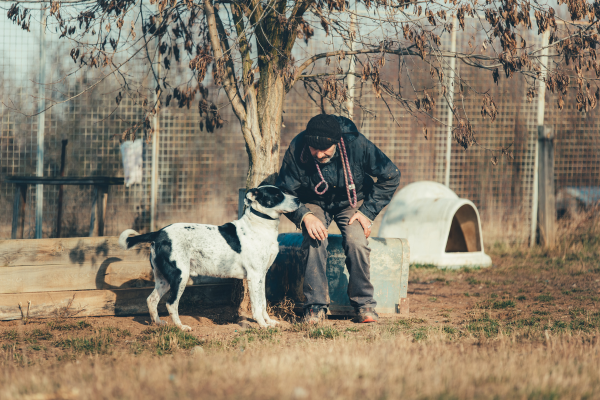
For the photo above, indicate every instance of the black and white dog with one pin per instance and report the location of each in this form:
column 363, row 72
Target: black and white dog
column 245, row 248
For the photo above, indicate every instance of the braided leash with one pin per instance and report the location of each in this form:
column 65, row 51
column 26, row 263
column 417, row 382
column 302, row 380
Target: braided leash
column 346, row 165
column 347, row 174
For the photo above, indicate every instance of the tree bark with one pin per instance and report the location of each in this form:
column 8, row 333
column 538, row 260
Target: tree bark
column 263, row 159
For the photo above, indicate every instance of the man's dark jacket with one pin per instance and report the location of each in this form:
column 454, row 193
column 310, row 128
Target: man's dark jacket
column 366, row 160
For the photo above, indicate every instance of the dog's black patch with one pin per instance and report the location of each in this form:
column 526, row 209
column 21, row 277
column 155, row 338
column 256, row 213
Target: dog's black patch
column 163, row 248
column 269, row 196
column 229, row 233
column 189, row 228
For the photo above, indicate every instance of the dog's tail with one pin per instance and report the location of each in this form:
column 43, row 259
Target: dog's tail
column 127, row 242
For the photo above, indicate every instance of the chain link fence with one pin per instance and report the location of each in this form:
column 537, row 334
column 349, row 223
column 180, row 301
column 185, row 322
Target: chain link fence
column 200, row 172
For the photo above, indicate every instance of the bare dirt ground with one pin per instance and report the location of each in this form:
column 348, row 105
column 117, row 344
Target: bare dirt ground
column 528, row 327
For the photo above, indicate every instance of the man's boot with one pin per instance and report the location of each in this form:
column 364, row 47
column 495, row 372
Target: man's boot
column 365, row 315
column 314, row 314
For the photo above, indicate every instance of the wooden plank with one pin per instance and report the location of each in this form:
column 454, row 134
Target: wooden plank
column 65, row 251
column 92, row 180
column 107, row 302
column 112, row 273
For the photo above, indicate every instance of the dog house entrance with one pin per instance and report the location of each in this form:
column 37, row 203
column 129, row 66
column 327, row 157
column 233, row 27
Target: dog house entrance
column 464, row 235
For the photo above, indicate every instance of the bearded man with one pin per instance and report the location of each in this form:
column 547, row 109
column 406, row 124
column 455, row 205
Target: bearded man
column 329, row 167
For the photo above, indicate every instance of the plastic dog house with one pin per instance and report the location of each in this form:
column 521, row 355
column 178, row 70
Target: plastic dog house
column 442, row 229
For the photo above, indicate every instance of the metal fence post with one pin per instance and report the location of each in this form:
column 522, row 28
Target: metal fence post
column 450, row 101
column 39, row 168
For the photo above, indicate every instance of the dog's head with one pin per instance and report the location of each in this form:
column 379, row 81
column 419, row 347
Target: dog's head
column 271, row 200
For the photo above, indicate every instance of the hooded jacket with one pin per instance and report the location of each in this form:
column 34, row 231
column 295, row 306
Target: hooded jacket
column 366, row 160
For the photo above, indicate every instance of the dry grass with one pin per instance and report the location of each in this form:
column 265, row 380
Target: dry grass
column 362, row 365
column 526, row 328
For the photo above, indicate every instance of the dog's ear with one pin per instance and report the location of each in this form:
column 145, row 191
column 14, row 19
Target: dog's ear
column 251, row 195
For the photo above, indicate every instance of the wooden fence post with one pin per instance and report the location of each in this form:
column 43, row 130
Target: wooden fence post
column 547, row 199
column 99, row 202
column 18, row 222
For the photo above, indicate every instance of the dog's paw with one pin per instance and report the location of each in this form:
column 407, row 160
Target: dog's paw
column 272, row 322
column 185, row 328
column 160, row 322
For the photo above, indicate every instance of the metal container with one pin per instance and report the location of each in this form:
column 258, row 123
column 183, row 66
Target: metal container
column 389, row 274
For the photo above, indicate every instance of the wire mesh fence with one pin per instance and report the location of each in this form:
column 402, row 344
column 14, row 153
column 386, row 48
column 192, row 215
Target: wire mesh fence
column 199, row 172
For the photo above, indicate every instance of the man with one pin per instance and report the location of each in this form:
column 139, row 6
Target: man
column 329, row 168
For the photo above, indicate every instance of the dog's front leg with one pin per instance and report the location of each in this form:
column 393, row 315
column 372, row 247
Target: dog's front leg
column 257, row 298
column 270, row 321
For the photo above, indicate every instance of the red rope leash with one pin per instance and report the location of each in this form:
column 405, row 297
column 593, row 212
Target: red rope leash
column 347, row 174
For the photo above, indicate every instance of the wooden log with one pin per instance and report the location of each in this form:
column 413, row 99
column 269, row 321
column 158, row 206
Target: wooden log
column 65, row 251
column 107, row 302
column 76, row 264
column 111, row 273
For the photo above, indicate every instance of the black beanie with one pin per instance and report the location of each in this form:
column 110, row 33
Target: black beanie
column 322, row 132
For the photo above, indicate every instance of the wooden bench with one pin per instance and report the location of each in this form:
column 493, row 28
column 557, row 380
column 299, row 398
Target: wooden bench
column 99, row 199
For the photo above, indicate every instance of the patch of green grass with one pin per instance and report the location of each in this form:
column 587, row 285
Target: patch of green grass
column 9, row 335
column 449, row 330
column 37, row 347
column 299, row 327
column 253, row 334
column 466, row 294
column 98, row 344
column 433, row 299
column 123, row 333
column 559, row 326
column 496, row 305
column 168, row 338
column 521, row 298
column 409, row 325
column 473, row 281
column 425, row 266
column 493, row 295
column 545, row 297
column 323, row 332
column 39, row 334
column 576, row 312
column 420, row 333
column 68, row 326
column 538, row 312
column 352, row 329
column 503, row 304
column 484, row 325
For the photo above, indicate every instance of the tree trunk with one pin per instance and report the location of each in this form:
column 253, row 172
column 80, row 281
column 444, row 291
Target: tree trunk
column 264, row 160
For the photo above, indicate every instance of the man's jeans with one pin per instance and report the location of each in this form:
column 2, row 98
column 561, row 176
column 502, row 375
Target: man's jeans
column 360, row 289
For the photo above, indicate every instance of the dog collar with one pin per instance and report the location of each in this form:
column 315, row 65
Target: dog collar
column 265, row 216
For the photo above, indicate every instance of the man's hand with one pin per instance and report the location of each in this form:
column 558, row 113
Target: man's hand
column 364, row 222
column 315, row 227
